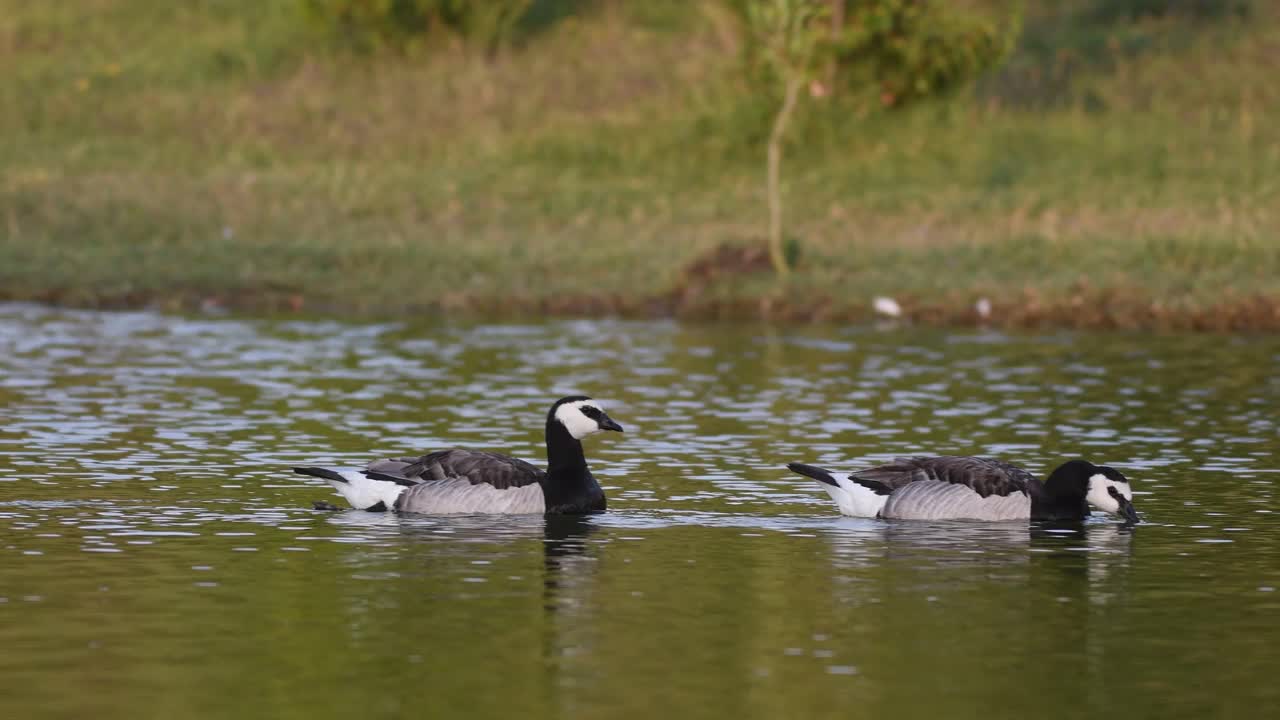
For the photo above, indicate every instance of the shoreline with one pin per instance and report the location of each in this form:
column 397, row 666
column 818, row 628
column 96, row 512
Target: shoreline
column 1096, row 311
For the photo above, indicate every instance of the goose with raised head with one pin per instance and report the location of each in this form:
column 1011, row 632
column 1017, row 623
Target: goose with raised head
column 974, row 488
column 470, row 481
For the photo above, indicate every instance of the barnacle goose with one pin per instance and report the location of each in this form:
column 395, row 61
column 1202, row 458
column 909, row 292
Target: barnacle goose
column 471, row 481
column 973, row 488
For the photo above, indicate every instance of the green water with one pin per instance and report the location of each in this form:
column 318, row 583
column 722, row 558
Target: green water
column 157, row 560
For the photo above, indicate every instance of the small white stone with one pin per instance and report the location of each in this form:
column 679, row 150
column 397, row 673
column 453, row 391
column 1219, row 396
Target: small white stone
column 887, row 306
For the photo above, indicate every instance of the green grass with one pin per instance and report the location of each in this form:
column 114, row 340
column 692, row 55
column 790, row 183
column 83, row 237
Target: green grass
column 178, row 151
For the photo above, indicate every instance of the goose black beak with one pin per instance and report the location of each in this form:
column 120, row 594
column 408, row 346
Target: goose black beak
column 607, row 423
column 1126, row 510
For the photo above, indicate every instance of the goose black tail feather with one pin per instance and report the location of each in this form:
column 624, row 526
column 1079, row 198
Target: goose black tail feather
column 814, row 472
column 320, row 472
column 374, row 475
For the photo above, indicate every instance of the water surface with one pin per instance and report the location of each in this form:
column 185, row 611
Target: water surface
column 158, row 560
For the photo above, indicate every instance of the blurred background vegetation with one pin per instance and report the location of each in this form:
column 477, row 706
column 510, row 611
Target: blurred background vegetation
column 1099, row 162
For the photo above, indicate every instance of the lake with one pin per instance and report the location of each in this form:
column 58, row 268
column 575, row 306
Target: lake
column 160, row 560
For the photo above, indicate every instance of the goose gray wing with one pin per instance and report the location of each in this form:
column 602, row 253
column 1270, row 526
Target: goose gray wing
column 477, row 467
column 983, row 476
column 464, row 481
column 952, row 488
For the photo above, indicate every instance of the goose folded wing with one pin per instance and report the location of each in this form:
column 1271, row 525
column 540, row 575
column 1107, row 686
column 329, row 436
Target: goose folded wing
column 476, row 467
column 984, row 476
column 886, row 479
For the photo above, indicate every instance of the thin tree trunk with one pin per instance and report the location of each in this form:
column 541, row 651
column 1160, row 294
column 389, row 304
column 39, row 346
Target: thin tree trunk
column 837, row 28
column 791, row 96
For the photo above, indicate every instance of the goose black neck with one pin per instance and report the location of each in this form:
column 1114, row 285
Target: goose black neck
column 1059, row 498
column 569, row 486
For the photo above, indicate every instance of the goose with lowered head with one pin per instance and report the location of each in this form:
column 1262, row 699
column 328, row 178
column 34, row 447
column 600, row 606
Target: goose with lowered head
column 975, row 488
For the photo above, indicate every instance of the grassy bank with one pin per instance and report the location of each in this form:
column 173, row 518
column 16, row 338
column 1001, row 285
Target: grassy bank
column 219, row 152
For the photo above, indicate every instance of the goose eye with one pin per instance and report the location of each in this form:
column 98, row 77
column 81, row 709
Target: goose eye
column 1113, row 492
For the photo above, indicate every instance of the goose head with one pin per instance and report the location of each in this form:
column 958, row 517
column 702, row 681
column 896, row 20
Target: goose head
column 581, row 416
column 1109, row 491
column 1105, row 488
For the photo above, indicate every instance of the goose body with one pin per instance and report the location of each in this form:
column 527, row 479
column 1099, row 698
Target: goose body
column 974, row 488
column 469, row 481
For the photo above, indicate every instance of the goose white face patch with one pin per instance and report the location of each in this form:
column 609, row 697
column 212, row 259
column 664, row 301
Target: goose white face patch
column 570, row 415
column 1100, row 493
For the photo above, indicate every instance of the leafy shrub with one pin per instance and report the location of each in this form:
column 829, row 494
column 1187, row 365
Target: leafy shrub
column 913, row 49
column 906, row 49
